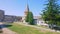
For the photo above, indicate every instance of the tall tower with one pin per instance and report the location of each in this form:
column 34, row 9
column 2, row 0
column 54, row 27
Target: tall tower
column 25, row 13
column 26, row 10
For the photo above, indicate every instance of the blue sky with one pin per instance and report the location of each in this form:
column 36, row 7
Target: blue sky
column 17, row 7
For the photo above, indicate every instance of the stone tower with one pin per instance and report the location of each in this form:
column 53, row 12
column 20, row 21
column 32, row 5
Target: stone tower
column 25, row 13
column 26, row 10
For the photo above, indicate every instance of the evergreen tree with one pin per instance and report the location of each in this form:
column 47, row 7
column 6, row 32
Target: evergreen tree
column 29, row 18
column 51, row 12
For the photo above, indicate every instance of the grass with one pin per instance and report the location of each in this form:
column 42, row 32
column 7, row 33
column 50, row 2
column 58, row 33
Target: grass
column 21, row 29
column 42, row 26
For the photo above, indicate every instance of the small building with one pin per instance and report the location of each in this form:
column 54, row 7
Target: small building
column 17, row 18
column 39, row 21
column 36, row 19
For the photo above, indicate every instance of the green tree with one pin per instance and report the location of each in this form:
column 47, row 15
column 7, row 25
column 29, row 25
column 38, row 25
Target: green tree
column 51, row 12
column 29, row 18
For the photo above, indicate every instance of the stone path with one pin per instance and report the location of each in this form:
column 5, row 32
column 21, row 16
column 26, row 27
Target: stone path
column 6, row 30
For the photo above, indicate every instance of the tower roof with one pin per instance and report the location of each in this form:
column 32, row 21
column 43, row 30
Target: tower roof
column 27, row 8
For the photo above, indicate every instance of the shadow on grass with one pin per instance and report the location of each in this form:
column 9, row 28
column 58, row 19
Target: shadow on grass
column 5, row 25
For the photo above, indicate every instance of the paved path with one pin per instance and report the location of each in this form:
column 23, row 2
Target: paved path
column 6, row 30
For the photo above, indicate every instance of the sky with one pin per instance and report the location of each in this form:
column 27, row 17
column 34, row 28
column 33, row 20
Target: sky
column 17, row 7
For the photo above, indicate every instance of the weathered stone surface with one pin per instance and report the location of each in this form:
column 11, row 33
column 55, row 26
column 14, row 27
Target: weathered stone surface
column 1, row 15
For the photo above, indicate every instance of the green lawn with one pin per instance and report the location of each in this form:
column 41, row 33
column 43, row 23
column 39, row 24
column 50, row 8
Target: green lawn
column 21, row 29
column 42, row 26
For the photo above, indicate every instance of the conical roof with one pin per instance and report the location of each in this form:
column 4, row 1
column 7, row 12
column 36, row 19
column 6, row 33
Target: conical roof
column 27, row 8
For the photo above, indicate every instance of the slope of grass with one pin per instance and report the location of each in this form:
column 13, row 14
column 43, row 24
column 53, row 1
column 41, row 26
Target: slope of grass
column 21, row 29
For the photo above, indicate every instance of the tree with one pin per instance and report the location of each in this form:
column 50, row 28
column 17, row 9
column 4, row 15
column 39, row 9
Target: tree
column 29, row 18
column 51, row 12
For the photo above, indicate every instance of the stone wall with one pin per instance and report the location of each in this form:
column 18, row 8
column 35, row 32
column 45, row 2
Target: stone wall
column 8, row 18
column 1, row 15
